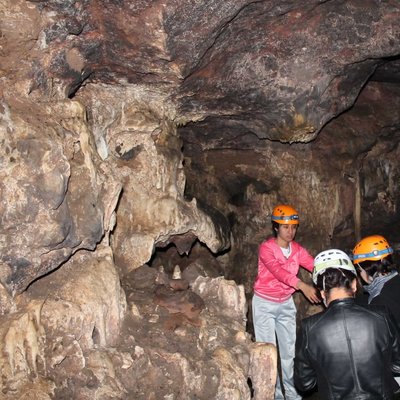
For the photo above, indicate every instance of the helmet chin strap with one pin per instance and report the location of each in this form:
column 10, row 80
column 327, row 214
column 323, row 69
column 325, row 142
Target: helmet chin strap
column 323, row 295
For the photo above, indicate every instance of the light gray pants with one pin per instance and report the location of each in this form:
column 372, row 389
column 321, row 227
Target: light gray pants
column 278, row 320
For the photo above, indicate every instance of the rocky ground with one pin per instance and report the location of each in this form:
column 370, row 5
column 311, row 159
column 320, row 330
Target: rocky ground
column 154, row 336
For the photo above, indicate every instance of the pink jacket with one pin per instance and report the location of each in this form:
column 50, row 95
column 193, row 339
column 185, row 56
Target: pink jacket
column 277, row 275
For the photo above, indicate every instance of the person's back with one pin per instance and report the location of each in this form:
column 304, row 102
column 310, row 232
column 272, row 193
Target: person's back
column 351, row 351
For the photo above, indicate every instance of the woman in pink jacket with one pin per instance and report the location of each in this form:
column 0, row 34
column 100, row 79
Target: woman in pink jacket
column 274, row 311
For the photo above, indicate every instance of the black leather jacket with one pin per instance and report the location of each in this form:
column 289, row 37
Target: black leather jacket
column 349, row 351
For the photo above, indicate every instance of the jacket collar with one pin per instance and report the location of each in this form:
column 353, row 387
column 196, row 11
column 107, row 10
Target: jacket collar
column 339, row 302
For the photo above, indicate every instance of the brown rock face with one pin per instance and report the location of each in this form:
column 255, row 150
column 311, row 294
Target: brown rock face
column 46, row 213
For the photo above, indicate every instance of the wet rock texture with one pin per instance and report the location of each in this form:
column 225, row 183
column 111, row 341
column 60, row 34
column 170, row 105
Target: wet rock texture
column 140, row 139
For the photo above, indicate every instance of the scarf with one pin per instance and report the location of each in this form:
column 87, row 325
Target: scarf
column 375, row 287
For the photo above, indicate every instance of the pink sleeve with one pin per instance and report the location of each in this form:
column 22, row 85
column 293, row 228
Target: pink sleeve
column 306, row 260
column 276, row 266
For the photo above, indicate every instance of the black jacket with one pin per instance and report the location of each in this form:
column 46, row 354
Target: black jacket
column 390, row 297
column 349, row 351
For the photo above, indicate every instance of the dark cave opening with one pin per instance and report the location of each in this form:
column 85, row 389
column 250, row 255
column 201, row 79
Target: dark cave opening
column 169, row 256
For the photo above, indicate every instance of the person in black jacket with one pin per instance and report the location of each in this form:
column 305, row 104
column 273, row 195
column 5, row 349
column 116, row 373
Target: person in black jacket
column 348, row 351
column 372, row 257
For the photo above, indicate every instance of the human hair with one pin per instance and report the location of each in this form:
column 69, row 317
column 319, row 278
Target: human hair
column 335, row 278
column 275, row 228
column 383, row 266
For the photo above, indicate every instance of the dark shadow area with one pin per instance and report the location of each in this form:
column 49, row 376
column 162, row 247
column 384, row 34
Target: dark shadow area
column 168, row 257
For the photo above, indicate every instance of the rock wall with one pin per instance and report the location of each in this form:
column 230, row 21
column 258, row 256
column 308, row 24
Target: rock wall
column 135, row 134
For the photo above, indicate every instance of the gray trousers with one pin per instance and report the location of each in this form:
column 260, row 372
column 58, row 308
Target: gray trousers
column 278, row 320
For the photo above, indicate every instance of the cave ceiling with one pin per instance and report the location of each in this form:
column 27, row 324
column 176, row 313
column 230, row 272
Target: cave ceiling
column 236, row 71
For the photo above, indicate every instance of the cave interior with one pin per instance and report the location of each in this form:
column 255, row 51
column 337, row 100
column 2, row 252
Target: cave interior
column 145, row 143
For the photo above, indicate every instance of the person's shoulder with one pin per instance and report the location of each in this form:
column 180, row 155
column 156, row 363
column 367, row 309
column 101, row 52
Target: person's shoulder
column 377, row 310
column 374, row 307
column 381, row 313
column 395, row 281
column 297, row 246
column 313, row 319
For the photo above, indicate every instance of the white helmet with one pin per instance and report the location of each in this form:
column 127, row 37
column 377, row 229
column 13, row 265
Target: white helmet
column 332, row 258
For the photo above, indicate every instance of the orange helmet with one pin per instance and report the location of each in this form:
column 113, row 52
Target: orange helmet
column 285, row 215
column 373, row 248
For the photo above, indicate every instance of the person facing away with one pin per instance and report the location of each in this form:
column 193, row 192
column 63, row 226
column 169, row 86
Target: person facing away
column 372, row 257
column 273, row 308
column 348, row 351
